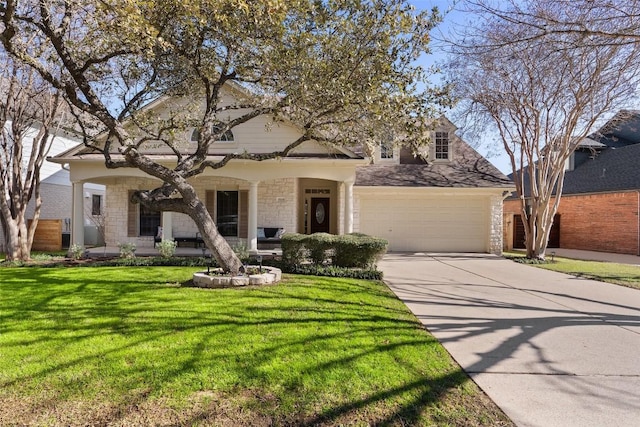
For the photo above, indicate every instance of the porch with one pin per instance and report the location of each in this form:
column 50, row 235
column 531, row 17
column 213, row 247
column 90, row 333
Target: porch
column 243, row 210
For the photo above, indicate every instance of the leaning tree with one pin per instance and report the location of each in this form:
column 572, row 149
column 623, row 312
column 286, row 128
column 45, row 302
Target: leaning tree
column 542, row 92
column 337, row 69
column 29, row 110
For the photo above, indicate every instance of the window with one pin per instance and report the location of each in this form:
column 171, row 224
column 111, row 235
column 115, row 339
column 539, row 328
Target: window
column 96, row 205
column 227, row 213
column 386, row 151
column 149, row 221
column 225, row 137
column 442, row 145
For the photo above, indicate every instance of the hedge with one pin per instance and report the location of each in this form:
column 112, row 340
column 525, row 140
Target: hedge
column 354, row 250
column 333, row 271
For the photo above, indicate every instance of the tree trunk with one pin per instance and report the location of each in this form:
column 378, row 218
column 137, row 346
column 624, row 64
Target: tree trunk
column 537, row 227
column 18, row 247
column 218, row 245
column 189, row 204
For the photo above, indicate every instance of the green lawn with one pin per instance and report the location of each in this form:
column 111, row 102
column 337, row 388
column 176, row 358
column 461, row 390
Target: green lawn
column 130, row 346
column 619, row 274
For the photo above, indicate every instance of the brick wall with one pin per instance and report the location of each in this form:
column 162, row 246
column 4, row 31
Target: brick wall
column 509, row 208
column 605, row 222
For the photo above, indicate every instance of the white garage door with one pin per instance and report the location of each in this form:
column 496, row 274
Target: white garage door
column 435, row 224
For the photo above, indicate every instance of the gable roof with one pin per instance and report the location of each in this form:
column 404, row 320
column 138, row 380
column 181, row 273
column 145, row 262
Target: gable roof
column 259, row 128
column 468, row 169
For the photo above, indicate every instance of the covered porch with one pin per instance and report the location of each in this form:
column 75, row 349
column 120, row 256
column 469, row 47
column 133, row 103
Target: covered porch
column 291, row 194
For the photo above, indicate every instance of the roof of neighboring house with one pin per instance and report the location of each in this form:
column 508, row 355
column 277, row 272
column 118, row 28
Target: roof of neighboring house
column 613, row 166
column 608, row 160
column 613, row 169
column 468, row 169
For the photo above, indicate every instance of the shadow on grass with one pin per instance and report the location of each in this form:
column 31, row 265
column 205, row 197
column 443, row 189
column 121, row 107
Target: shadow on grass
column 324, row 350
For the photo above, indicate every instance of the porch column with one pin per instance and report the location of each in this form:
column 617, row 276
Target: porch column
column 252, row 229
column 348, row 207
column 167, row 226
column 77, row 214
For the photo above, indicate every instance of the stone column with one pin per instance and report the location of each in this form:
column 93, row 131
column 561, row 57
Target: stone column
column 348, row 207
column 167, row 226
column 252, row 229
column 77, row 214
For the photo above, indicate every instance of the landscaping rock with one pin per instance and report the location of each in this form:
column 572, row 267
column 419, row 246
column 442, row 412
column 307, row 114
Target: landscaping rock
column 217, row 280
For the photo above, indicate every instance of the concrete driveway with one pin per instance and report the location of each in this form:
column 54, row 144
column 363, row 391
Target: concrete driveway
column 548, row 348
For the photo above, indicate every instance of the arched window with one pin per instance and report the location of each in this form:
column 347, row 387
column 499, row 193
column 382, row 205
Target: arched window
column 225, row 137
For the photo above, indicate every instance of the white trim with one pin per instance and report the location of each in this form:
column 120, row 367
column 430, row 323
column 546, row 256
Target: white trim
column 348, row 210
column 252, row 226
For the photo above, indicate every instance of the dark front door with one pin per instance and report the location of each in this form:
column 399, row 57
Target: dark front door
column 320, row 215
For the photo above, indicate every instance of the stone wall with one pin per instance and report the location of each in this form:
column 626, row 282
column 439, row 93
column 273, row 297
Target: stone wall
column 276, row 206
column 277, row 201
column 495, row 228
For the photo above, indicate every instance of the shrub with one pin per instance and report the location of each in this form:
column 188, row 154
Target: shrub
column 153, row 262
column 334, row 271
column 353, row 250
column 293, row 249
column 241, row 251
column 167, row 248
column 127, row 250
column 76, row 251
column 358, row 250
column 318, row 244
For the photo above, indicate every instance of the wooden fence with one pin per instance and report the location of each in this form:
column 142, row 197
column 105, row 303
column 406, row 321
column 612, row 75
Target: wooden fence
column 48, row 235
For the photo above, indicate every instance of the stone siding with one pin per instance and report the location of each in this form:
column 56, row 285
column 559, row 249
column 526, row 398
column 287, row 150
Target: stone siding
column 277, row 201
column 495, row 227
column 276, row 206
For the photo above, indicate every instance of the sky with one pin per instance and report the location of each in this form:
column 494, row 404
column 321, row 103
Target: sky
column 453, row 18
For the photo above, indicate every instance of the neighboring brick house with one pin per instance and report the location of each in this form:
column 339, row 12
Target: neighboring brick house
column 601, row 194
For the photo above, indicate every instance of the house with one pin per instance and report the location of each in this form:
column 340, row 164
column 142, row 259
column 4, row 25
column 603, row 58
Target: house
column 601, row 194
column 54, row 225
column 452, row 202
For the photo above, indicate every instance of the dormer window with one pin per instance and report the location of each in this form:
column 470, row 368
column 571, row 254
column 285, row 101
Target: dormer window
column 442, row 146
column 386, row 151
column 225, row 137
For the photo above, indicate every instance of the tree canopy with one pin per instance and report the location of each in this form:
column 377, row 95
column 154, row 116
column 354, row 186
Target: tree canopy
column 343, row 71
column 29, row 117
column 587, row 21
column 542, row 90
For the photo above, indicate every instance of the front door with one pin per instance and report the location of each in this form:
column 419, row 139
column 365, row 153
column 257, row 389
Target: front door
column 319, row 215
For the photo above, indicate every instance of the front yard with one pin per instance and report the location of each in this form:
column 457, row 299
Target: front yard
column 610, row 272
column 131, row 346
